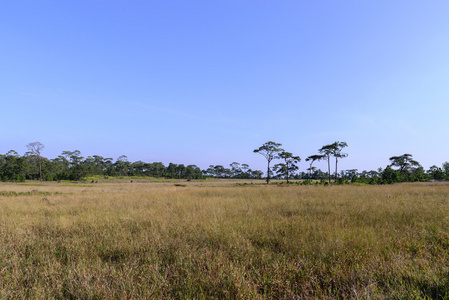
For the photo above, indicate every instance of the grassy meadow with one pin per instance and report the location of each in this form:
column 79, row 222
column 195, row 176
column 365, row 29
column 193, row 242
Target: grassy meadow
column 218, row 240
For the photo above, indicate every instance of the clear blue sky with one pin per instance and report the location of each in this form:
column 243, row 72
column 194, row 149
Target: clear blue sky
column 206, row 82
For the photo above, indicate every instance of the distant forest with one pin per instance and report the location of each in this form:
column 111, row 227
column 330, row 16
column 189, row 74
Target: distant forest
column 71, row 165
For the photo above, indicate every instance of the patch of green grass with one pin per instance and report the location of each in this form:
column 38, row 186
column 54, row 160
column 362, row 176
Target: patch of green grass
column 359, row 184
column 77, row 184
column 98, row 177
column 37, row 183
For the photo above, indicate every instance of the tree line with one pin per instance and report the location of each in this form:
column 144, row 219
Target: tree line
column 402, row 168
column 71, row 165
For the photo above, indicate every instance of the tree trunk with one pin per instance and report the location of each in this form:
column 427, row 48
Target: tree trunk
column 40, row 168
column 268, row 172
column 336, row 162
column 329, row 167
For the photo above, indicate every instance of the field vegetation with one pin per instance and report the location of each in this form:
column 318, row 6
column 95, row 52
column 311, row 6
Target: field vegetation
column 72, row 166
column 216, row 239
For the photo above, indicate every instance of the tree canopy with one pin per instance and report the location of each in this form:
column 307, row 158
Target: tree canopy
column 72, row 165
column 270, row 150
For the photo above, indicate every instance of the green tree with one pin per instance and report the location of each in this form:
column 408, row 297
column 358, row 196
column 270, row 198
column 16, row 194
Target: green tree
column 157, row 169
column 289, row 166
column 436, row 173
column 219, row 171
column 193, row 171
column 256, row 174
column 137, row 168
column 245, row 168
column 446, row 169
column 211, row 170
column 121, row 165
column 350, row 174
column 190, row 172
column 61, row 167
column 389, row 175
column 327, row 151
column 235, row 169
column 312, row 159
column 74, row 156
column 35, row 149
column 13, row 166
column 77, row 169
column 403, row 162
column 338, row 154
column 171, row 169
column 180, row 169
column 270, row 150
column 99, row 165
column 78, row 172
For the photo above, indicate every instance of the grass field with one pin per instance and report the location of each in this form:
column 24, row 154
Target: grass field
column 205, row 240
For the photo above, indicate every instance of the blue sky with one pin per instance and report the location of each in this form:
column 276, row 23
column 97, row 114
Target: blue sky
column 207, row 82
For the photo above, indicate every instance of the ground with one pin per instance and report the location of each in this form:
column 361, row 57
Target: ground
column 153, row 238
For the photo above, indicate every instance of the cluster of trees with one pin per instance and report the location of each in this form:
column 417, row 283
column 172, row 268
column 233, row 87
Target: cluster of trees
column 236, row 170
column 402, row 168
column 71, row 165
column 271, row 150
column 406, row 170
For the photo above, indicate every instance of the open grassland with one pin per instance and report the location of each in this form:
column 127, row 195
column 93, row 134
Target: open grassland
column 157, row 240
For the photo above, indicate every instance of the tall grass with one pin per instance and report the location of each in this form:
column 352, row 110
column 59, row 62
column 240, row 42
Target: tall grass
column 161, row 241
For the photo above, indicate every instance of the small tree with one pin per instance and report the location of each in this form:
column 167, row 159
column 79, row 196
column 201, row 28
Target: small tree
column 338, row 154
column 312, row 159
column 289, row 166
column 190, row 171
column 446, row 169
column 389, row 175
column 211, row 170
column 122, row 165
column 180, row 169
column 327, row 151
column 219, row 171
column 436, row 173
column 236, row 170
column 403, row 162
column 245, row 168
column 171, row 169
column 35, row 149
column 270, row 150
column 351, row 174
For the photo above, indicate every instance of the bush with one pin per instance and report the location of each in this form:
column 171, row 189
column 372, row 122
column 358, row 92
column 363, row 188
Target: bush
column 18, row 178
column 307, row 182
column 342, row 181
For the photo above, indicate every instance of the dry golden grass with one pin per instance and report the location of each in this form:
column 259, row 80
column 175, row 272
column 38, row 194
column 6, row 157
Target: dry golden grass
column 214, row 240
